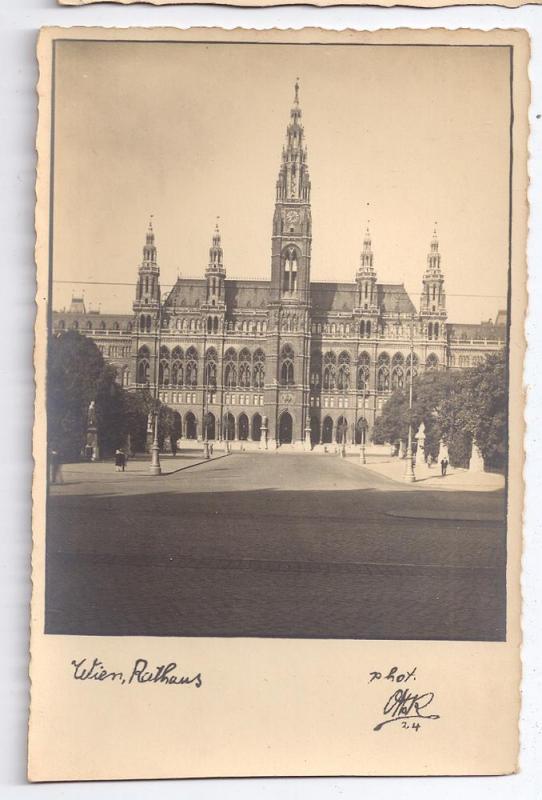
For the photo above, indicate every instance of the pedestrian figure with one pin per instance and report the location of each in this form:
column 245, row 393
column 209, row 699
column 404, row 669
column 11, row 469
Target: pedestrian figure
column 56, row 467
column 122, row 460
column 174, row 446
column 118, row 460
column 443, row 466
column 211, row 449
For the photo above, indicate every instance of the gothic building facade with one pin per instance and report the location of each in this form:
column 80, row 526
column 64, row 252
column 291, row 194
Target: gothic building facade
column 286, row 360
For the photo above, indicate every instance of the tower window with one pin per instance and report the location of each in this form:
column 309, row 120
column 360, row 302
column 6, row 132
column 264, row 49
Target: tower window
column 290, row 270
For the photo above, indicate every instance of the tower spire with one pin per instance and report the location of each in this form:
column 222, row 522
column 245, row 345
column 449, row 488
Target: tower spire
column 293, row 183
column 215, row 272
column 433, row 299
column 148, row 285
column 292, row 225
column 366, row 274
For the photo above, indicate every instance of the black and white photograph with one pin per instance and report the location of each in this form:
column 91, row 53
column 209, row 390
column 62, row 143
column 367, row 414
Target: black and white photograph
column 278, row 437
column 278, row 344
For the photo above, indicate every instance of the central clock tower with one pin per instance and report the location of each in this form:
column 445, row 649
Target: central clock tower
column 292, row 225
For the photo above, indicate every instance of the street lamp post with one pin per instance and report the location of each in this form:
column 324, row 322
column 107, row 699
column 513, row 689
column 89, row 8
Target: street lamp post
column 155, row 467
column 362, row 456
column 206, row 412
column 409, row 475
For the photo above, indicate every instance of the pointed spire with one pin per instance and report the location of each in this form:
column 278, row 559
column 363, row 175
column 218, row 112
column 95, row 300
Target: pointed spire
column 366, row 259
column 215, row 251
column 434, row 240
column 293, row 182
column 149, row 249
column 150, row 232
column 433, row 257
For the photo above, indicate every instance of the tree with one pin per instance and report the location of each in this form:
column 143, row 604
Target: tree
column 75, row 366
column 476, row 410
column 429, row 390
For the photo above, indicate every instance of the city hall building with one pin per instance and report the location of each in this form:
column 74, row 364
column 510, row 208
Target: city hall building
column 284, row 361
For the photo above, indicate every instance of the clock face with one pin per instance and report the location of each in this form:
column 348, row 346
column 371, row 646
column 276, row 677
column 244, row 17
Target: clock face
column 292, row 217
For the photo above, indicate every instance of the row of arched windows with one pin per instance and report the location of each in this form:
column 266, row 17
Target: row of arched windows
column 179, row 368
column 334, row 373
column 94, row 325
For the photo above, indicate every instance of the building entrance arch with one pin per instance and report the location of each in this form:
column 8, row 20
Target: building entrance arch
column 210, row 426
column 285, row 428
column 315, row 431
column 190, row 426
column 327, row 431
column 243, row 427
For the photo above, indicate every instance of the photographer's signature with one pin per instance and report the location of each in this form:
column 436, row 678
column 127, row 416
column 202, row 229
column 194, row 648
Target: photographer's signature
column 404, row 705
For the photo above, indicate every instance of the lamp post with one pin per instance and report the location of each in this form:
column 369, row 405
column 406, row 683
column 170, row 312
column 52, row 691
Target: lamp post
column 362, row 456
column 409, row 476
column 155, row 468
column 206, row 412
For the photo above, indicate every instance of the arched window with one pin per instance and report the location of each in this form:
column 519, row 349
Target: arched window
column 89, row 325
column 430, row 331
column 362, row 328
column 163, row 368
column 230, row 369
column 289, row 266
column 397, row 371
column 435, row 330
column 368, row 328
column 177, row 367
column 191, row 367
column 143, row 365
column 431, row 362
column 327, row 430
column 244, row 369
column 343, row 382
column 364, row 363
column 75, row 325
column 215, row 325
column 330, row 371
column 383, row 373
column 258, row 369
column 287, row 365
column 116, row 326
column 211, row 360
column 61, row 325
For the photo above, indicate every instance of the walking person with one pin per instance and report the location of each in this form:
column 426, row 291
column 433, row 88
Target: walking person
column 443, row 467
column 118, row 460
column 174, row 446
column 56, row 467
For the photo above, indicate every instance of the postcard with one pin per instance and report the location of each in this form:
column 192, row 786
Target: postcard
column 278, row 439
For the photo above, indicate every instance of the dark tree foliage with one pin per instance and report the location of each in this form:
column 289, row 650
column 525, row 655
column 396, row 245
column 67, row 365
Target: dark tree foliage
column 74, row 370
column 428, row 392
column 477, row 409
column 77, row 375
column 459, row 408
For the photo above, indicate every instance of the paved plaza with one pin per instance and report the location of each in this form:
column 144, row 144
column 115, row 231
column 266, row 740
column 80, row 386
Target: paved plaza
column 272, row 544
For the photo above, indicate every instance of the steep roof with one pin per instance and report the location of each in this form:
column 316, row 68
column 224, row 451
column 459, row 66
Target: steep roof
column 464, row 330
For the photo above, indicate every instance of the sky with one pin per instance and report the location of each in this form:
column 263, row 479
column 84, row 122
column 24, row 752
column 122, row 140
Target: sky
column 400, row 136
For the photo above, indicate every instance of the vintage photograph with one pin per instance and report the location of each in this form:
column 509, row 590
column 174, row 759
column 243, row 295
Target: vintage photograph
column 277, row 376
column 279, row 404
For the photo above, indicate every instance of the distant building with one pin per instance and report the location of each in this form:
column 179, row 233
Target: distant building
column 287, row 359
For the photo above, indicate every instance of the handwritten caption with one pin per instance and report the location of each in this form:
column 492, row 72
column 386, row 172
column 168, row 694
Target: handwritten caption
column 403, row 705
column 140, row 672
